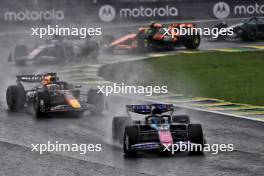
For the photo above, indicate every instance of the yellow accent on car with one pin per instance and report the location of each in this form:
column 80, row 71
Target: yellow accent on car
column 74, row 103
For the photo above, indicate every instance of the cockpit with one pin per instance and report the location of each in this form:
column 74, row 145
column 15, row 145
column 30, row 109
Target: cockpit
column 158, row 119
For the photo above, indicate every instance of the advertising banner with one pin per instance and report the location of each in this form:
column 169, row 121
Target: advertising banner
column 66, row 11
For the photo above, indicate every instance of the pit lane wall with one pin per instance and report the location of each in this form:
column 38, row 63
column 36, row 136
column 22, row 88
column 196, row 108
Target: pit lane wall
column 86, row 11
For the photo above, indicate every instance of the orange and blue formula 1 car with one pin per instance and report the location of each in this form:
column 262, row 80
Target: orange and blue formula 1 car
column 159, row 129
column 51, row 95
column 154, row 38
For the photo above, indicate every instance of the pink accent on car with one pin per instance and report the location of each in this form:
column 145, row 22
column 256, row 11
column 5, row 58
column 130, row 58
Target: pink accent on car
column 165, row 137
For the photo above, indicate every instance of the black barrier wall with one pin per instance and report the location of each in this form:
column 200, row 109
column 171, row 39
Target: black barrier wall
column 85, row 11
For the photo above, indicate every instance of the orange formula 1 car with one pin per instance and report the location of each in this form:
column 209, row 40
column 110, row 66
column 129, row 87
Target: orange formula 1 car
column 155, row 38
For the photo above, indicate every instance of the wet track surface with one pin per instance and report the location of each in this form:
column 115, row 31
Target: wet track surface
column 18, row 130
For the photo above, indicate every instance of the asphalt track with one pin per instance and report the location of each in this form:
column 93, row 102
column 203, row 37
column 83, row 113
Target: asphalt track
column 19, row 130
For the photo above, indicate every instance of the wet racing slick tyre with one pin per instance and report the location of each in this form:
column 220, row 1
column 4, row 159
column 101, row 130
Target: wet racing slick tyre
column 195, row 134
column 191, row 41
column 97, row 100
column 20, row 54
column 40, row 104
column 181, row 119
column 130, row 138
column 143, row 43
column 90, row 51
column 118, row 127
column 15, row 97
column 249, row 33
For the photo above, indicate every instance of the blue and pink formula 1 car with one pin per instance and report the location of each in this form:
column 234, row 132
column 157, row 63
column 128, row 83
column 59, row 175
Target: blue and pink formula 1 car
column 156, row 131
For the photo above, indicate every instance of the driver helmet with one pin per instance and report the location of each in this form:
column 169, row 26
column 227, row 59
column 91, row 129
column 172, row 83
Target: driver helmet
column 156, row 111
column 155, row 25
column 48, row 79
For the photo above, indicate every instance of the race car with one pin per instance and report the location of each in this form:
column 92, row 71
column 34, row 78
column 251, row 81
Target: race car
column 154, row 38
column 158, row 129
column 58, row 50
column 51, row 95
column 249, row 30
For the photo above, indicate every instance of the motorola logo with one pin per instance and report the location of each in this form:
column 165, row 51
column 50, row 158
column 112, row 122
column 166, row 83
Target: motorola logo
column 107, row 13
column 221, row 10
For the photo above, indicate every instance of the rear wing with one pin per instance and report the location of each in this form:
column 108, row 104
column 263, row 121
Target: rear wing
column 147, row 109
column 33, row 78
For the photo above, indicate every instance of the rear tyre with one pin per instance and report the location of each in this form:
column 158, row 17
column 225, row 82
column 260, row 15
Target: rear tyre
column 249, row 34
column 90, row 50
column 97, row 99
column 130, row 138
column 191, row 41
column 118, row 128
column 181, row 119
column 15, row 97
column 20, row 54
column 195, row 133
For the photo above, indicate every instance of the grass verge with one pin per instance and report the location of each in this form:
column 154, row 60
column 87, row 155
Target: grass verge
column 236, row 77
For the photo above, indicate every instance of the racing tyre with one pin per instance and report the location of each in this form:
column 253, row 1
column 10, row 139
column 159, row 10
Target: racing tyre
column 40, row 105
column 118, row 128
column 142, row 43
column 191, row 41
column 130, row 138
column 181, row 119
column 195, row 133
column 90, row 50
column 249, row 34
column 15, row 97
column 20, row 54
column 96, row 99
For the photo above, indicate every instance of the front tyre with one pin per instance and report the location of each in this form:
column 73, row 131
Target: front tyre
column 130, row 138
column 195, row 133
column 39, row 106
